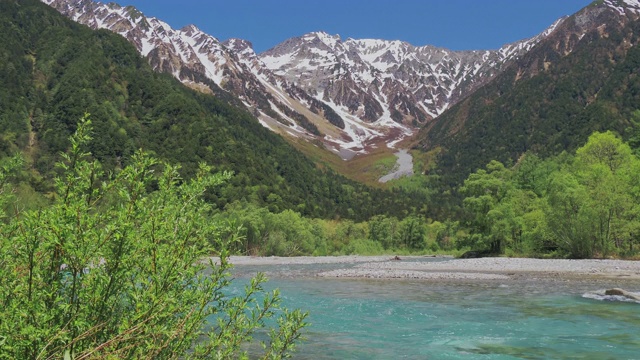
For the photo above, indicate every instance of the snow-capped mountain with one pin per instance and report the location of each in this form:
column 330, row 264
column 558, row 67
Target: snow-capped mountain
column 371, row 77
column 351, row 94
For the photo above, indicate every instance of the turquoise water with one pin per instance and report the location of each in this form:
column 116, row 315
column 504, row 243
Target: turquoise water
column 397, row 319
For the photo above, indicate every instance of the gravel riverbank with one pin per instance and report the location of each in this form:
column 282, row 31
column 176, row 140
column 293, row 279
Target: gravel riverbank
column 384, row 267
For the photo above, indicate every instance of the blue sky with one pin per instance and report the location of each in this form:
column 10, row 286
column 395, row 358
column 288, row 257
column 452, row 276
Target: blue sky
column 453, row 24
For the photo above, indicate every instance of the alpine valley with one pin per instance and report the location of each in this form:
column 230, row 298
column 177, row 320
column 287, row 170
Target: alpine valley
column 53, row 71
column 136, row 159
column 528, row 106
column 352, row 95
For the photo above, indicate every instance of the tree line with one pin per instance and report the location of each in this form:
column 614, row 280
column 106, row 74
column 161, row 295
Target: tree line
column 580, row 205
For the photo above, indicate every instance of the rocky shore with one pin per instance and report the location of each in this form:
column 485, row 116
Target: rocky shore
column 386, row 267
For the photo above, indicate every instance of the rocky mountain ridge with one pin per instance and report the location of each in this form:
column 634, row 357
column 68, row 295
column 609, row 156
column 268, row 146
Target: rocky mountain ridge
column 350, row 94
column 414, row 83
column 581, row 78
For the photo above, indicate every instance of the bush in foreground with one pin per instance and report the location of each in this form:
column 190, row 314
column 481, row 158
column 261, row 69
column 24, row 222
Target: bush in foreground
column 113, row 270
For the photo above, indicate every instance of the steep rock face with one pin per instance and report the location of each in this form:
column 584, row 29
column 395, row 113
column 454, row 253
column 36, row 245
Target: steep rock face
column 579, row 79
column 350, row 94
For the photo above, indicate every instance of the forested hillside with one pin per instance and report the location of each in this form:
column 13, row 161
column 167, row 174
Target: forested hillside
column 582, row 78
column 53, row 71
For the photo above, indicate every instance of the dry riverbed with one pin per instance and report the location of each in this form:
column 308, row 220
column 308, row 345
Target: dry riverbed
column 385, row 267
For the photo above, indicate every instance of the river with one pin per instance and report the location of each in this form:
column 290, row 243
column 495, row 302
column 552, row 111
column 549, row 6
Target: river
column 411, row 319
column 404, row 166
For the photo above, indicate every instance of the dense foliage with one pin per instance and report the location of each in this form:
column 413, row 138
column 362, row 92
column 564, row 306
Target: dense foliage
column 111, row 270
column 579, row 206
column 289, row 234
column 53, row 70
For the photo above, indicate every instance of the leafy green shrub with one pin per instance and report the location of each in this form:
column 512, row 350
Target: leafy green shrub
column 111, row 270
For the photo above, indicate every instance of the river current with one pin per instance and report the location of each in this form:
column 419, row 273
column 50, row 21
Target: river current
column 537, row 318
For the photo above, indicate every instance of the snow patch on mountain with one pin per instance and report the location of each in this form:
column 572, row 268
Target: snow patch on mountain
column 621, row 6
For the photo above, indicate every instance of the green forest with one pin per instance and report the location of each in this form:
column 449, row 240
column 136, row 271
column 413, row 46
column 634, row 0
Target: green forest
column 130, row 267
column 574, row 205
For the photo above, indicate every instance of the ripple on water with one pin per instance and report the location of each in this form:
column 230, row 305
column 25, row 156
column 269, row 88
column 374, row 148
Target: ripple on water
column 601, row 296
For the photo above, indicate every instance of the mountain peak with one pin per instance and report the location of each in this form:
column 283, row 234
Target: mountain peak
column 191, row 28
column 554, row 26
column 239, row 46
column 326, row 38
